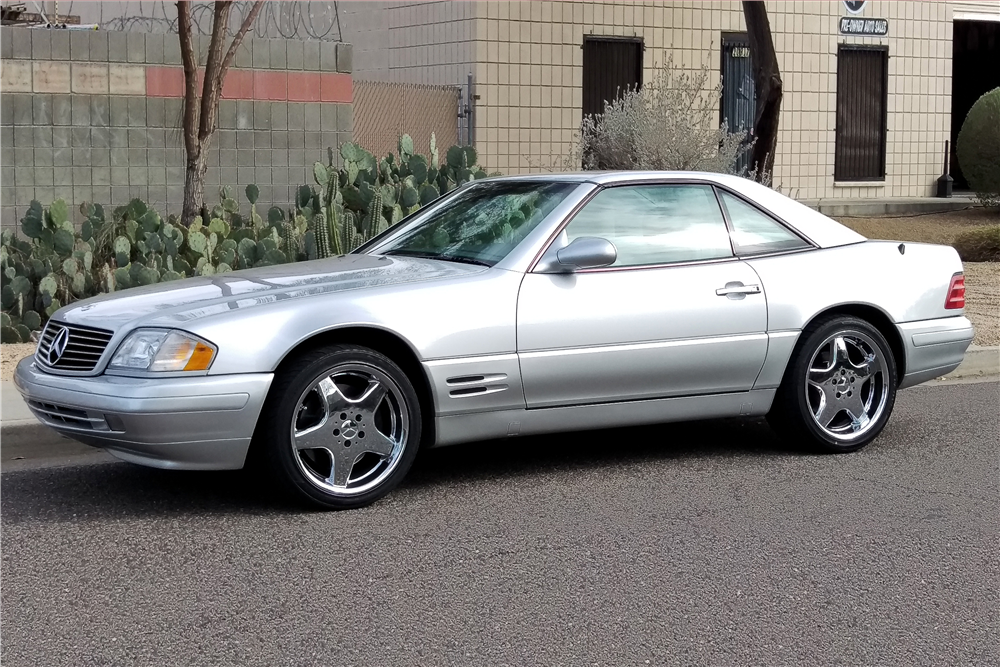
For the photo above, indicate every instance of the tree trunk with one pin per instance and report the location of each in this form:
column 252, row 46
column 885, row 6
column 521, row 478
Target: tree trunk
column 201, row 111
column 767, row 82
column 194, row 182
column 194, row 187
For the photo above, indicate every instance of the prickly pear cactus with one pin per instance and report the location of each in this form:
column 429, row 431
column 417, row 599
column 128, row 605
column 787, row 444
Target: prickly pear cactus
column 56, row 259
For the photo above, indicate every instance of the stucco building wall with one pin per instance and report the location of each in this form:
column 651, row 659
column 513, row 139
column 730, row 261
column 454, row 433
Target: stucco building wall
column 527, row 61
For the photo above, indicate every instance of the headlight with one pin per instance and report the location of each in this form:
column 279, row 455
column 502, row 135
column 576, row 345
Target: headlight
column 163, row 350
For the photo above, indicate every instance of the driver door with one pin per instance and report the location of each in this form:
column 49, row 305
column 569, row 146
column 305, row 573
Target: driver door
column 676, row 314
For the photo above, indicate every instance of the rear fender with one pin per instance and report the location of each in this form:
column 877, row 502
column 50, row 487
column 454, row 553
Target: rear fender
column 906, row 281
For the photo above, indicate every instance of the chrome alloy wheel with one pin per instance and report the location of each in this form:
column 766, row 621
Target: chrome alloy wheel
column 350, row 429
column 847, row 387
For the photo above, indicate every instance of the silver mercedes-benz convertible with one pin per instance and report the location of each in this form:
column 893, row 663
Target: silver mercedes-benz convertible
column 511, row 306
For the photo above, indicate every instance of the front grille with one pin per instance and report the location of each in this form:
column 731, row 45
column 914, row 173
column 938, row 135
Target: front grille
column 61, row 415
column 82, row 351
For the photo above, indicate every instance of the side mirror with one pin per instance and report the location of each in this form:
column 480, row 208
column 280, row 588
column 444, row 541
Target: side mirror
column 585, row 252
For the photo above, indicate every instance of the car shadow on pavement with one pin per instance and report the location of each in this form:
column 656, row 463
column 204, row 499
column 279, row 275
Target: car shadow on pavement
column 716, row 439
column 121, row 490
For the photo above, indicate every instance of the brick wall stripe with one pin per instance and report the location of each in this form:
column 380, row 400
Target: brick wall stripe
column 336, row 88
column 164, row 82
column 238, row 85
column 15, row 76
column 45, row 76
column 304, row 86
column 270, row 85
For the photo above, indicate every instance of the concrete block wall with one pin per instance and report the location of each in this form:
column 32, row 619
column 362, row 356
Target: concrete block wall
column 96, row 116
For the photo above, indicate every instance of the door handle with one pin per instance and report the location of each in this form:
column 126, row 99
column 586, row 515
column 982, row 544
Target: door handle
column 737, row 290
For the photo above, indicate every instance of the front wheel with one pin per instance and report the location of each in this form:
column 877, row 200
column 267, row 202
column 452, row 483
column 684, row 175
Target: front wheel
column 341, row 427
column 839, row 388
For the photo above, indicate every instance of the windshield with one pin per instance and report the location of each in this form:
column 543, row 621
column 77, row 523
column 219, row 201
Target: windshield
column 482, row 224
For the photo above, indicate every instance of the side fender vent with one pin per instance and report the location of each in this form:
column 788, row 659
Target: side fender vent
column 476, row 391
column 466, row 379
column 476, row 385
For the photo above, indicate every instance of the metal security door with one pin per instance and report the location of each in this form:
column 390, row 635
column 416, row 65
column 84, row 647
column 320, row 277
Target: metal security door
column 739, row 100
column 611, row 65
column 862, row 104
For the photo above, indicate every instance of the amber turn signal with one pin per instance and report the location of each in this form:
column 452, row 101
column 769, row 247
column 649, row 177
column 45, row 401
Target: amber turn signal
column 201, row 358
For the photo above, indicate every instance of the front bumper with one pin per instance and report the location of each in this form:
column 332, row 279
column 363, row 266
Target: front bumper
column 934, row 347
column 192, row 423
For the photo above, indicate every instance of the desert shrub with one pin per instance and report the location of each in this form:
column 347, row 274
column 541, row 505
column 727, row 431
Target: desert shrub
column 979, row 245
column 670, row 123
column 979, row 148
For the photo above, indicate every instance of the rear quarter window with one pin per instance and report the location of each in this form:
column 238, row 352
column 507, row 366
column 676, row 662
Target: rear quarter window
column 755, row 232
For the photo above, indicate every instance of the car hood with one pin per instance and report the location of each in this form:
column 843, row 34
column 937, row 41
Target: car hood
column 176, row 302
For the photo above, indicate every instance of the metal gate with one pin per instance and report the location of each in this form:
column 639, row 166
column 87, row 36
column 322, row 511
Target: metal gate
column 739, row 99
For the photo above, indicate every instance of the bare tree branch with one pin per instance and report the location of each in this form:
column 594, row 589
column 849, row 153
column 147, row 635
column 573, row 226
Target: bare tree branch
column 238, row 39
column 213, row 82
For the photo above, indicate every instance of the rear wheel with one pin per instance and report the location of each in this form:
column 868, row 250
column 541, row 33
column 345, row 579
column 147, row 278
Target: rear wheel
column 839, row 388
column 342, row 427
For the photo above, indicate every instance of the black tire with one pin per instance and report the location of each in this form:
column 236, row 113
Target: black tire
column 291, row 469
column 796, row 402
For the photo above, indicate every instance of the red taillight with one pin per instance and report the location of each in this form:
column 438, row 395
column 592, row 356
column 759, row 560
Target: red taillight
column 956, row 292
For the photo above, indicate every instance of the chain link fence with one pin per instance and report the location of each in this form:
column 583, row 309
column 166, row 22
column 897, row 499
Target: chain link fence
column 384, row 111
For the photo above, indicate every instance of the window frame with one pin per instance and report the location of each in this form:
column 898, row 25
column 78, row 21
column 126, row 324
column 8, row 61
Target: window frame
column 838, row 175
column 808, row 244
column 716, row 188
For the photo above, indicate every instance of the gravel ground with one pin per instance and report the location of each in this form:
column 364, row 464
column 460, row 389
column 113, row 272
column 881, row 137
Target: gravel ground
column 982, row 300
column 922, row 228
column 10, row 355
column 982, row 280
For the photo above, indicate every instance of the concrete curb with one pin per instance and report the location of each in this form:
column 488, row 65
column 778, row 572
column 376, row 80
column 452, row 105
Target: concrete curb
column 25, row 439
column 887, row 206
column 980, row 362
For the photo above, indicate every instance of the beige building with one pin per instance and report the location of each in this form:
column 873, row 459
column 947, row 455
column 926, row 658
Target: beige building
column 863, row 115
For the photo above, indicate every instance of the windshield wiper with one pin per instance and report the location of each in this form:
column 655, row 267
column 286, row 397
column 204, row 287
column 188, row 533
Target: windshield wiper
column 431, row 255
column 462, row 260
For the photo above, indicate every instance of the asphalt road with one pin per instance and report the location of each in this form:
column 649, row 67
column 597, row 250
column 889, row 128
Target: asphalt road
column 707, row 544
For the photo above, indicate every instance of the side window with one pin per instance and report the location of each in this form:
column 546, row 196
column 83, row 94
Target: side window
column 656, row 224
column 755, row 232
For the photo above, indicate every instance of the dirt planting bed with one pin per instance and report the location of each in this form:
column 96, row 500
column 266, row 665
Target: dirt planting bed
column 923, row 228
column 10, row 354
